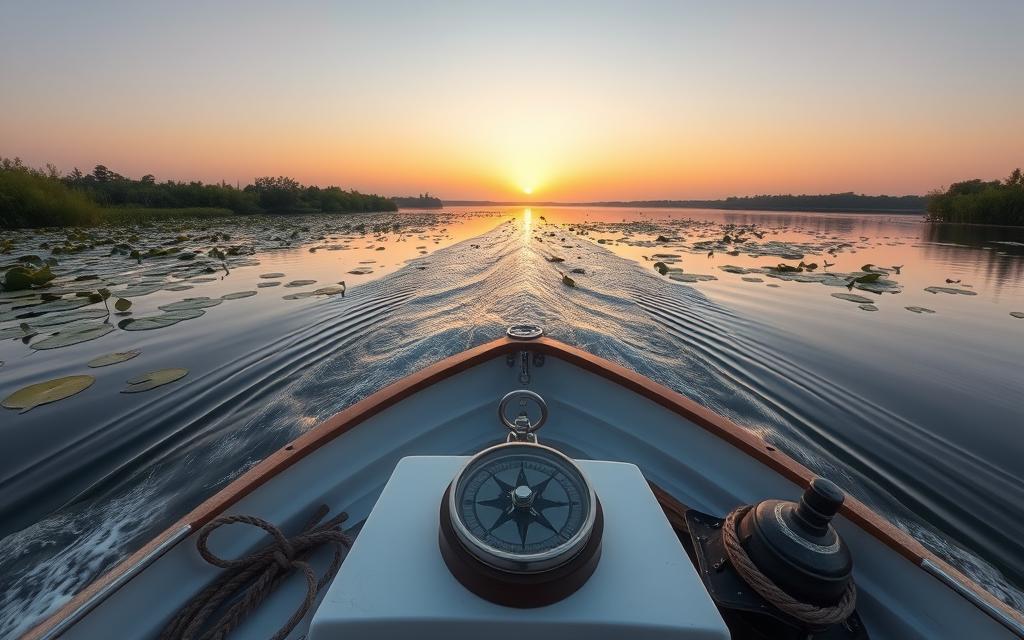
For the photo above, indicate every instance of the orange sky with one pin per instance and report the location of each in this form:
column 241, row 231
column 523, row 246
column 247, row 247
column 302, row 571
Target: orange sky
column 636, row 101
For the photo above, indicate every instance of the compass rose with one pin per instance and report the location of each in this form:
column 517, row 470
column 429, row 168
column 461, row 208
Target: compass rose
column 523, row 504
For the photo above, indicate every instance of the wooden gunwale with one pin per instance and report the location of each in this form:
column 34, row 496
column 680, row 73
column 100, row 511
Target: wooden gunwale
column 737, row 436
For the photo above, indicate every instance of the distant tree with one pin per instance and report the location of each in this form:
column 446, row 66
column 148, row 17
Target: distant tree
column 276, row 194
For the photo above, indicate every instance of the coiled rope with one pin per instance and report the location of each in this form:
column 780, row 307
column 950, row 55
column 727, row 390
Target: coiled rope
column 809, row 614
column 250, row 579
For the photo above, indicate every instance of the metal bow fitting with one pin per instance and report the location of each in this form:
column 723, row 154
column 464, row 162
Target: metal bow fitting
column 521, row 428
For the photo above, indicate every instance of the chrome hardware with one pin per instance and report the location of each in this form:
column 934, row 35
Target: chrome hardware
column 520, row 428
column 524, row 331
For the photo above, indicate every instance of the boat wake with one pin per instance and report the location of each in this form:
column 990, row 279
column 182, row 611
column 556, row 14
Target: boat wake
column 133, row 473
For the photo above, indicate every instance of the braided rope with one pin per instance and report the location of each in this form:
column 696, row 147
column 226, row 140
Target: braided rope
column 250, row 579
column 808, row 614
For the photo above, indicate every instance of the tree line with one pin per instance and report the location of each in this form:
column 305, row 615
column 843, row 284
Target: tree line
column 32, row 197
column 980, row 202
column 847, row 202
column 422, row 201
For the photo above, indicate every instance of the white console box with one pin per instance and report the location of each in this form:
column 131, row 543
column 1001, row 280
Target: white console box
column 394, row 583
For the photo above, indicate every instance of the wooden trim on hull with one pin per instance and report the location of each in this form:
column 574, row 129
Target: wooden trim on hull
column 741, row 438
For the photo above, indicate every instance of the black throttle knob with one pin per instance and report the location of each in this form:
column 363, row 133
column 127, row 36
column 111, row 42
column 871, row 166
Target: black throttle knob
column 795, row 545
column 820, row 501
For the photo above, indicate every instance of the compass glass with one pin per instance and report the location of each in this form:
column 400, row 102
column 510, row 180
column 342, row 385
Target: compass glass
column 522, row 506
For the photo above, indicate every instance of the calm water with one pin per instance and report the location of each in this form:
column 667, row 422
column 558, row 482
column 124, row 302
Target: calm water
column 918, row 414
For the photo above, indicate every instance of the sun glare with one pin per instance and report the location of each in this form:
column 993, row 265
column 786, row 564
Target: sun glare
column 527, row 190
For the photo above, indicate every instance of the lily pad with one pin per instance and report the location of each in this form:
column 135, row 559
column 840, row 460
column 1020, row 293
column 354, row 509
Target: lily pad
column 159, row 322
column 853, row 297
column 191, row 303
column 751, row 279
column 1017, row 314
column 868, row 307
column 72, row 336
column 141, row 289
column 271, row 275
column 154, row 379
column 919, row 309
column 112, row 358
column 238, row 295
column 67, row 318
column 32, row 396
column 361, row 271
column 951, row 291
column 264, row 285
column 122, row 305
column 298, row 296
column 731, row 268
column 332, row 290
column 691, row 277
column 300, row 283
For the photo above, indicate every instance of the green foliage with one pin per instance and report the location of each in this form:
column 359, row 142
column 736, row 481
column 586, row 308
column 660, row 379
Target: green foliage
column 35, row 198
column 422, row 201
column 980, row 202
column 43, row 197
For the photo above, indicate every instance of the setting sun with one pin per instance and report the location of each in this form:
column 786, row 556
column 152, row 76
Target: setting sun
column 527, row 190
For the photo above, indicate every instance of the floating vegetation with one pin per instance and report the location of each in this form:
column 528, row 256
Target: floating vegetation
column 298, row 296
column 141, row 289
column 331, row 290
column 36, row 309
column 853, row 297
column 238, row 295
column 191, row 303
column 154, row 379
column 24, row 277
column 361, row 271
column 868, row 307
column 751, row 279
column 67, row 318
column 661, row 267
column 159, row 322
column 113, row 358
column 919, row 309
column 180, row 287
column 731, row 268
column 691, row 277
column 300, row 283
column 264, row 285
column 73, row 335
column 1017, row 314
column 951, row 291
column 34, row 395
column 267, row 276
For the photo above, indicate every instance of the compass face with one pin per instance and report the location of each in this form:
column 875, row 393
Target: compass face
column 522, row 507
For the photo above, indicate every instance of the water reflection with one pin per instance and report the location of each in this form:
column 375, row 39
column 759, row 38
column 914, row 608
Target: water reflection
column 995, row 255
